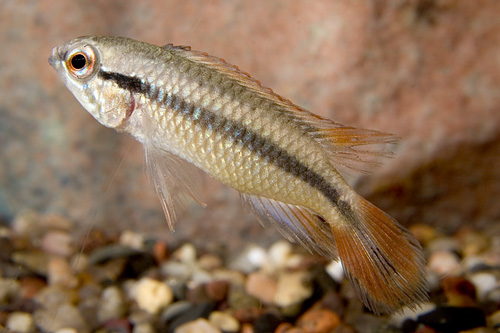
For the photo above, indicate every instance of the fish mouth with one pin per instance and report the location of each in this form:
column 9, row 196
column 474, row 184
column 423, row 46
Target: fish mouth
column 54, row 58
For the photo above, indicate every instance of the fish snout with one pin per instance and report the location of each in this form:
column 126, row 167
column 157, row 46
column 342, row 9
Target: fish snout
column 54, row 58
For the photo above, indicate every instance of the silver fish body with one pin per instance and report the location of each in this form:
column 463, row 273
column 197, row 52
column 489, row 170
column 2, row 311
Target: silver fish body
column 190, row 109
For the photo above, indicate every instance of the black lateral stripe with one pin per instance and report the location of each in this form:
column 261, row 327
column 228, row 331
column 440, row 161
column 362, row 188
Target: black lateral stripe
column 239, row 134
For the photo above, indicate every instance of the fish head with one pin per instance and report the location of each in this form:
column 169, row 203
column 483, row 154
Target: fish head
column 79, row 63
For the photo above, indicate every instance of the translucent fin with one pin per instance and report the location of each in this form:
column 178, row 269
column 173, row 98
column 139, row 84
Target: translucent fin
column 342, row 145
column 381, row 258
column 297, row 224
column 175, row 181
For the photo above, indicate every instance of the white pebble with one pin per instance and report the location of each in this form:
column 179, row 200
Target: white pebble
column 279, row 253
column 112, row 304
column 20, row 322
column 293, row 288
column 132, row 239
column 405, row 313
column 335, row 270
column 177, row 269
column 224, row 321
column 484, row 283
column 197, row 326
column 66, row 330
column 152, row 295
column 58, row 243
column 252, row 258
column 186, row 253
column 443, row 262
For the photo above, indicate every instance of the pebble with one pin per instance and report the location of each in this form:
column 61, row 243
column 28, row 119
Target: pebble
column 20, row 322
column 176, row 269
column 52, row 297
column 217, row 290
column 493, row 319
column 124, row 287
column 443, row 262
column 458, row 291
column 59, row 243
column 447, row 244
column 9, row 288
column 65, row 316
column 144, row 328
column 152, row 295
column 335, row 270
column 262, row 286
column 279, row 253
column 250, row 259
column 192, row 313
column 292, row 288
column 267, row 322
column 223, row 321
column 54, row 221
column 132, row 239
column 27, row 224
column 210, row 262
column 453, row 319
column 60, row 273
column 485, row 283
column 34, row 260
column 66, row 330
column 112, row 304
column 238, row 299
column 197, row 326
column 318, row 320
column 185, row 254
column 30, row 286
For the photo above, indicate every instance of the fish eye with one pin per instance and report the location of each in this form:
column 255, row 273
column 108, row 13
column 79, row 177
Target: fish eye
column 80, row 63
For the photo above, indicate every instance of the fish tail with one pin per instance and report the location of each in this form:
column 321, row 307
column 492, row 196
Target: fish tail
column 382, row 259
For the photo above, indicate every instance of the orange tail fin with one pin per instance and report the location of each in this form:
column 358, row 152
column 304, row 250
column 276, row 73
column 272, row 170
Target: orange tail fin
column 381, row 258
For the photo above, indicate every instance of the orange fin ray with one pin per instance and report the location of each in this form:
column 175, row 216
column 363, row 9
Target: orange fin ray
column 381, row 258
column 352, row 149
column 297, row 224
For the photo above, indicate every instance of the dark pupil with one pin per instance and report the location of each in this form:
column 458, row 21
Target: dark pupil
column 78, row 61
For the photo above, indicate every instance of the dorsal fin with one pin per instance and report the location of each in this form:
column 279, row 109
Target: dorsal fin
column 341, row 143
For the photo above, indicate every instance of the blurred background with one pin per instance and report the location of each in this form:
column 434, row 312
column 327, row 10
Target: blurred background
column 428, row 71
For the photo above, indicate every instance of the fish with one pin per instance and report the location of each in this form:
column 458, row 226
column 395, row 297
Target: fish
column 196, row 113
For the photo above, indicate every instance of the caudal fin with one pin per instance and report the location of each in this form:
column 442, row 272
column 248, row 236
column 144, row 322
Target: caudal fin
column 382, row 259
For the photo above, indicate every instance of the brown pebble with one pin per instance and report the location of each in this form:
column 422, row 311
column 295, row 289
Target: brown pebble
column 197, row 295
column 425, row 329
column 247, row 328
column 318, row 320
column 160, row 252
column 423, row 233
column 459, row 291
column 344, row 328
column 261, row 286
column 217, row 290
column 248, row 315
column 118, row 325
column 287, row 328
column 30, row 286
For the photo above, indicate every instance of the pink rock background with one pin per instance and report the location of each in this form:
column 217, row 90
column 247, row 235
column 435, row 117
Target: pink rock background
column 428, row 71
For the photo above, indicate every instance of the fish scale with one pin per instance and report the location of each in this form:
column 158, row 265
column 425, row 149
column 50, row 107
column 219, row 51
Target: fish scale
column 192, row 111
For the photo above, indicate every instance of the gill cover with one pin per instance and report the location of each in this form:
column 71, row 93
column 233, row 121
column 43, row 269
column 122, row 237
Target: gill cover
column 78, row 63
